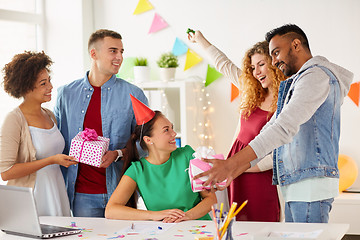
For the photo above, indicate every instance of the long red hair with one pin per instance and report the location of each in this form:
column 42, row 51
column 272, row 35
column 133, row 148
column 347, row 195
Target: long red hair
column 252, row 93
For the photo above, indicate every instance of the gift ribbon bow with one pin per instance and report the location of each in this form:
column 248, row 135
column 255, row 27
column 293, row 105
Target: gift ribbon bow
column 87, row 135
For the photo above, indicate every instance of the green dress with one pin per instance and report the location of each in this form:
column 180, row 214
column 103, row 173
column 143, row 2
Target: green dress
column 166, row 186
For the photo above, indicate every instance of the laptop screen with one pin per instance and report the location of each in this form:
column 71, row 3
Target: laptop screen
column 18, row 210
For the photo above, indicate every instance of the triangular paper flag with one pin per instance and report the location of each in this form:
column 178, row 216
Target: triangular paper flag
column 234, row 92
column 211, row 75
column 157, row 24
column 179, row 47
column 143, row 6
column 191, row 59
column 126, row 71
column 354, row 92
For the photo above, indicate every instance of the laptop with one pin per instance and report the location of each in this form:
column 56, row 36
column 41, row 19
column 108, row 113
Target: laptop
column 18, row 215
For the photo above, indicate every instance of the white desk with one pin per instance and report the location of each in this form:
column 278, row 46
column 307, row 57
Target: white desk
column 100, row 228
column 346, row 209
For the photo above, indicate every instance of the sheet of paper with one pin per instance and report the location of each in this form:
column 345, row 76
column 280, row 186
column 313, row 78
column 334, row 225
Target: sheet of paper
column 148, row 228
column 312, row 234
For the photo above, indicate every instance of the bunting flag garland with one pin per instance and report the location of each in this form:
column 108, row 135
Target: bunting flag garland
column 179, row 47
column 192, row 58
column 211, row 75
column 234, row 92
column 157, row 24
column 143, row 6
column 354, row 92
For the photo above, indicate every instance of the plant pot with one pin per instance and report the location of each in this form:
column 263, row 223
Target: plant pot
column 167, row 74
column 141, row 74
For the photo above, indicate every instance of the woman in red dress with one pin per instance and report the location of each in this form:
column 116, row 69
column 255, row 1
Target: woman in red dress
column 259, row 87
column 258, row 82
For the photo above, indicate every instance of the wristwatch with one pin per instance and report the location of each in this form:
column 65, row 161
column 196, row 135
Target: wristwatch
column 120, row 155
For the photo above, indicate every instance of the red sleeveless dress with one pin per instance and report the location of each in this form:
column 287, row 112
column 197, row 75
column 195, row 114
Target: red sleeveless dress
column 263, row 202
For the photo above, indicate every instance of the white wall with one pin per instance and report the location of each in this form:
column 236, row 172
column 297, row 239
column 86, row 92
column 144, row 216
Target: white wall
column 65, row 42
column 332, row 27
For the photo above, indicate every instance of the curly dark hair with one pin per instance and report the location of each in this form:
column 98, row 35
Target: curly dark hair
column 101, row 34
column 21, row 73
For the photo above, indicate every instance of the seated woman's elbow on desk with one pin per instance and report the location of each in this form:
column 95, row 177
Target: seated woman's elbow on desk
column 108, row 212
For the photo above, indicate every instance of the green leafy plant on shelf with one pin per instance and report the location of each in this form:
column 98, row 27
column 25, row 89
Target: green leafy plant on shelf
column 168, row 60
column 140, row 61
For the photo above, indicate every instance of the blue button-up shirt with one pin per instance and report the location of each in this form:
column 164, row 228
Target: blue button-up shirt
column 117, row 116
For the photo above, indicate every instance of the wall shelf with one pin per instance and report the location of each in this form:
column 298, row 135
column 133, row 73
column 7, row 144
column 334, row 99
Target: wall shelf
column 184, row 109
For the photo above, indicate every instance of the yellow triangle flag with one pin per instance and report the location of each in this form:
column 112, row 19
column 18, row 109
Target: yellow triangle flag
column 191, row 59
column 143, row 6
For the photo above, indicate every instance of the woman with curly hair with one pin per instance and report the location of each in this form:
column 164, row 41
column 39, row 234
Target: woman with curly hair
column 258, row 82
column 30, row 142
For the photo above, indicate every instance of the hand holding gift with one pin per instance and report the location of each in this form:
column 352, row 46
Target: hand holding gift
column 198, row 166
column 87, row 147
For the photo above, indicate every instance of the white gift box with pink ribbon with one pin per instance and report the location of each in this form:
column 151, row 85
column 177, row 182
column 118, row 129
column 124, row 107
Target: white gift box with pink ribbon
column 87, row 147
column 198, row 166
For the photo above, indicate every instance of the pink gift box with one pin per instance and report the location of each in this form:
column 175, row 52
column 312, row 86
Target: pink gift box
column 198, row 166
column 89, row 151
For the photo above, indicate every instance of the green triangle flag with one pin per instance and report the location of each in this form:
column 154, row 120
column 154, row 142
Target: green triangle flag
column 126, row 71
column 211, row 75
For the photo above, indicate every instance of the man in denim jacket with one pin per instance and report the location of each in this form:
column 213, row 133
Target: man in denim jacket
column 102, row 102
column 304, row 131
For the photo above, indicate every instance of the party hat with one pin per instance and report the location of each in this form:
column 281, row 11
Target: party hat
column 143, row 114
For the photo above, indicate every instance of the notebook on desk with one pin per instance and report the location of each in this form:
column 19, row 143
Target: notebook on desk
column 352, row 190
column 18, row 215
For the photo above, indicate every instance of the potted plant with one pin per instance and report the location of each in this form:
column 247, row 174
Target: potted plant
column 141, row 70
column 168, row 63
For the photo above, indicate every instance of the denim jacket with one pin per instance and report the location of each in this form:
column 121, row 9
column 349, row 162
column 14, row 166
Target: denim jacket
column 117, row 116
column 315, row 140
column 305, row 130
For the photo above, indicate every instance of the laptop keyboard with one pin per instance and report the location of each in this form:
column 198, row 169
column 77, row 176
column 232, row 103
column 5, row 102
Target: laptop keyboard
column 49, row 229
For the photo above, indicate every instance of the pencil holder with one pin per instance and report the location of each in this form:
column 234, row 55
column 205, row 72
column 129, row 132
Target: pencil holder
column 228, row 234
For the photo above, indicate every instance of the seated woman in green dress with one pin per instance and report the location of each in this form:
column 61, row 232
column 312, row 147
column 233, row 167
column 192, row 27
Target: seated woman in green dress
column 161, row 177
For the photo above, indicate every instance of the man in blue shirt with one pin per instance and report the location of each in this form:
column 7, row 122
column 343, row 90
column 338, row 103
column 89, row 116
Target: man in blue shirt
column 99, row 101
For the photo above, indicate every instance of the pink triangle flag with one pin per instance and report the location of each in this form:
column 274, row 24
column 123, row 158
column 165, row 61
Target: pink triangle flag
column 158, row 23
